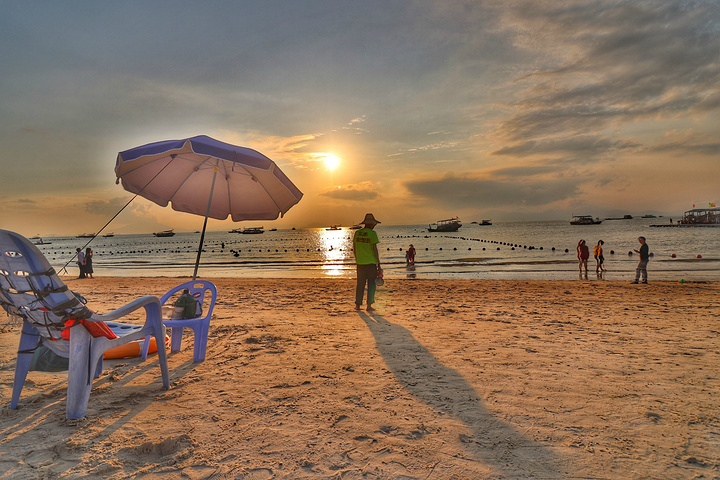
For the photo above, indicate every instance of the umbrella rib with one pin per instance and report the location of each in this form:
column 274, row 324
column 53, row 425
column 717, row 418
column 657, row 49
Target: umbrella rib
column 200, row 164
column 256, row 181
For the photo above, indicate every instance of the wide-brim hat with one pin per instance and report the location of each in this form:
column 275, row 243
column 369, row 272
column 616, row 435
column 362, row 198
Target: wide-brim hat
column 369, row 220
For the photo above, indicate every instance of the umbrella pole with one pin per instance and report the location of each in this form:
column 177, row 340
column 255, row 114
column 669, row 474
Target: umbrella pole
column 202, row 235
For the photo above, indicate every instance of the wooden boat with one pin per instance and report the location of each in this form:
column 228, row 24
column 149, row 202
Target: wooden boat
column 86, row 235
column 697, row 217
column 334, row 227
column 449, row 225
column 165, row 233
column 584, row 220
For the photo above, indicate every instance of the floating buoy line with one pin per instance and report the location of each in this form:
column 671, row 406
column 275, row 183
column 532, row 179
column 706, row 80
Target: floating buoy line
column 176, row 247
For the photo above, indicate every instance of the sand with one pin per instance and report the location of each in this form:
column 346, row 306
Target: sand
column 447, row 380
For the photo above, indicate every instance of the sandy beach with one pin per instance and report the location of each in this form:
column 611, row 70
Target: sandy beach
column 450, row 379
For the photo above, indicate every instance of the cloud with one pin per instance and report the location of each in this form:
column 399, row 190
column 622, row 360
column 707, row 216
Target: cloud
column 359, row 192
column 106, row 208
column 458, row 192
column 570, row 146
column 608, row 65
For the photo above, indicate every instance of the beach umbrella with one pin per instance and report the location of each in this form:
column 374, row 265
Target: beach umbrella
column 209, row 178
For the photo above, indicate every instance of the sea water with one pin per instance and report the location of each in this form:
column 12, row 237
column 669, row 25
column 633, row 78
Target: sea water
column 503, row 250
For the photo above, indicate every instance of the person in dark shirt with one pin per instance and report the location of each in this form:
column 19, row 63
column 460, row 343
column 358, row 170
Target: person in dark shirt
column 642, row 264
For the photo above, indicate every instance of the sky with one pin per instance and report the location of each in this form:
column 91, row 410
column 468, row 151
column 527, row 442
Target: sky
column 416, row 111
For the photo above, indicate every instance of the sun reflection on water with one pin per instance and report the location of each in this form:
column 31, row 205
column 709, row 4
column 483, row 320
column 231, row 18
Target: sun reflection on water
column 336, row 248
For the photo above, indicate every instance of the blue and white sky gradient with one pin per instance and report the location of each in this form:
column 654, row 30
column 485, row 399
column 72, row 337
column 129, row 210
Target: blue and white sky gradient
column 502, row 109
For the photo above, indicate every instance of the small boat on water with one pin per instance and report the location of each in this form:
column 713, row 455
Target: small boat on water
column 584, row 220
column 42, row 242
column 356, row 227
column 165, row 233
column 334, row 227
column 108, row 235
column 624, row 217
column 449, row 225
column 248, row 230
column 86, row 235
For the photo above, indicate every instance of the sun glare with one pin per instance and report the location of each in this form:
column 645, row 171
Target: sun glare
column 331, row 162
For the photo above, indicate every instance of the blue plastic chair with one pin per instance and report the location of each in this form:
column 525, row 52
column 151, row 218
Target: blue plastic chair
column 199, row 325
column 31, row 289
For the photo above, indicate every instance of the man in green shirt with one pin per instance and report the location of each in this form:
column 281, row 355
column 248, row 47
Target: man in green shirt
column 367, row 259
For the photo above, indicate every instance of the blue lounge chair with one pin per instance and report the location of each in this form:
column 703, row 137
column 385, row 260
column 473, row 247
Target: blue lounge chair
column 199, row 325
column 31, row 289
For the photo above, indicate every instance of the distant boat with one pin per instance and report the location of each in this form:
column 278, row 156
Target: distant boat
column 86, row 235
column 624, row 217
column 649, row 216
column 165, row 233
column 273, row 230
column 449, row 225
column 334, row 227
column 108, row 235
column 248, row 230
column 584, row 220
column 42, row 242
column 486, row 222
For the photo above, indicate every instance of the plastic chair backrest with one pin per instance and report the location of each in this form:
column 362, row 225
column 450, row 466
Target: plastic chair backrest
column 197, row 289
column 31, row 289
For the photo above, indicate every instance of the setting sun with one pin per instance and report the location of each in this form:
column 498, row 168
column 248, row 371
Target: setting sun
column 331, row 162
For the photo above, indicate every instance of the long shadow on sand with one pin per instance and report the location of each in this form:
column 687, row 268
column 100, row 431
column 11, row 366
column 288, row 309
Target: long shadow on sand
column 493, row 442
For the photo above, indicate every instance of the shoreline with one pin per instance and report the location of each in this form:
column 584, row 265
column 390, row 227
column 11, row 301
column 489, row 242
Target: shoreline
column 449, row 378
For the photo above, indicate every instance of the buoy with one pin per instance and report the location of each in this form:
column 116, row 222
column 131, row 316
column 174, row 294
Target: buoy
column 630, row 253
column 673, row 256
column 698, row 256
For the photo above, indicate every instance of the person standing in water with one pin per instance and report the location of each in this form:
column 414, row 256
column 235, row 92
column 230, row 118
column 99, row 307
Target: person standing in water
column 641, row 269
column 367, row 260
column 599, row 258
column 583, row 253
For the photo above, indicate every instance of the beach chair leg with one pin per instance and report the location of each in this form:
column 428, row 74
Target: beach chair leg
column 201, row 334
column 79, row 381
column 176, row 334
column 162, row 355
column 29, row 341
column 145, row 347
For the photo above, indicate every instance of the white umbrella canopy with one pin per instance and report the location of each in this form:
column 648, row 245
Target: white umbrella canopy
column 206, row 177
column 248, row 185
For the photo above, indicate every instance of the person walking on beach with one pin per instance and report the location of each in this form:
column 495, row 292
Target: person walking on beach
column 598, row 253
column 80, row 262
column 583, row 253
column 642, row 264
column 88, row 262
column 367, row 260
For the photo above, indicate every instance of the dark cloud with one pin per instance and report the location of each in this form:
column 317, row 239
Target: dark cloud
column 571, row 146
column 106, row 208
column 456, row 192
column 607, row 65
